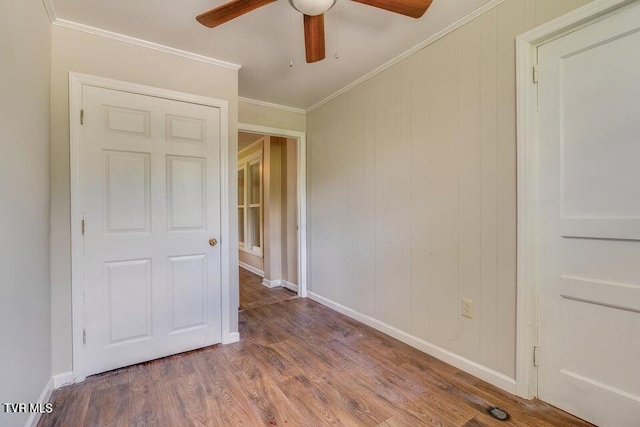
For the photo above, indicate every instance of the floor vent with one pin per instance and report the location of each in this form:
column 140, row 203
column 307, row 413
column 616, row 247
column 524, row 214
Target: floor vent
column 498, row 414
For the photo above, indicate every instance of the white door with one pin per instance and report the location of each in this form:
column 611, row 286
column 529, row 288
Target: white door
column 151, row 198
column 588, row 256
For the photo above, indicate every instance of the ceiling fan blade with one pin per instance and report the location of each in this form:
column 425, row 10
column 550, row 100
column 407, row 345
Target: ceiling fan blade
column 412, row 8
column 228, row 11
column 314, row 37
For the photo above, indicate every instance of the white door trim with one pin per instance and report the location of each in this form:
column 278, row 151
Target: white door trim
column 302, row 193
column 76, row 82
column 527, row 105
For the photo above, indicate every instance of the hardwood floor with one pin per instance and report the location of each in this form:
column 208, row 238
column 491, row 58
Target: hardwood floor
column 298, row 364
column 253, row 293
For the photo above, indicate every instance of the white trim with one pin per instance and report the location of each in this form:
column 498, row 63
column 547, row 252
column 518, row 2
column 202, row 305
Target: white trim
column 489, row 375
column 271, row 105
column 302, row 193
column 62, row 379
column 271, row 283
column 527, row 288
column 76, row 82
column 289, row 285
column 232, row 338
column 51, row 11
column 34, row 418
column 440, row 34
column 143, row 43
column 251, row 268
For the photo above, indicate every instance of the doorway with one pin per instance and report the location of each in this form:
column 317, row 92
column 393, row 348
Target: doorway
column 269, row 216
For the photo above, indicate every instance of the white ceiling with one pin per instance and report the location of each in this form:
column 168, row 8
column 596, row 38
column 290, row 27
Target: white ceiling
column 264, row 42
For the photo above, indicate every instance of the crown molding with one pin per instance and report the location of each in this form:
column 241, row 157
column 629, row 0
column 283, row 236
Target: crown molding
column 144, row 43
column 451, row 28
column 51, row 11
column 197, row 57
column 48, row 5
column 271, row 105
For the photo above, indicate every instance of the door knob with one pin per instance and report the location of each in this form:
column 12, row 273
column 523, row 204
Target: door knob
column 213, row 241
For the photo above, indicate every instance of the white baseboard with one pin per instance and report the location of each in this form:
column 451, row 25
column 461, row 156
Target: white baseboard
column 272, row 283
column 34, row 418
column 251, row 269
column 63, row 379
column 486, row 374
column 232, row 338
column 290, row 286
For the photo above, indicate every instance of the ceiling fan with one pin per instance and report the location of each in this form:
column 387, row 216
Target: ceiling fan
column 313, row 11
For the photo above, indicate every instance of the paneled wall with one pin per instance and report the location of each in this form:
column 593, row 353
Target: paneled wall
column 412, row 189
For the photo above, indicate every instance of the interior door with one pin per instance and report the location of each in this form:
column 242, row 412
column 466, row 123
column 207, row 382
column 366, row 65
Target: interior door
column 151, row 198
column 588, row 257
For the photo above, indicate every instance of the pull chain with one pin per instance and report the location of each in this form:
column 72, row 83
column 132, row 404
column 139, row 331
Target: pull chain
column 337, row 54
column 290, row 37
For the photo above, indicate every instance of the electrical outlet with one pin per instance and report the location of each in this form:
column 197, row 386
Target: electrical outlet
column 467, row 308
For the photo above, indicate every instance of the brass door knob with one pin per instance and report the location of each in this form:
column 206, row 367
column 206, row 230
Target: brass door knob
column 213, row 241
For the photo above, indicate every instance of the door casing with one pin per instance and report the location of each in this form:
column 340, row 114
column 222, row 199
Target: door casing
column 527, row 126
column 228, row 247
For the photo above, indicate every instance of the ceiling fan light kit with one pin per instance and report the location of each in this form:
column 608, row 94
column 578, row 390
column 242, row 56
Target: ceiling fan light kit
column 312, row 7
column 313, row 11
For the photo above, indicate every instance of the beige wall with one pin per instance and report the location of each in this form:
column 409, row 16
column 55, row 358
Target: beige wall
column 280, row 218
column 85, row 53
column 246, row 139
column 271, row 117
column 273, row 202
column 290, row 212
column 25, row 319
column 412, row 189
column 254, row 261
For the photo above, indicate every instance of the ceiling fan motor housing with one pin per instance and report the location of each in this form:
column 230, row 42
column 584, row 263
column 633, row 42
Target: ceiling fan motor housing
column 312, row 7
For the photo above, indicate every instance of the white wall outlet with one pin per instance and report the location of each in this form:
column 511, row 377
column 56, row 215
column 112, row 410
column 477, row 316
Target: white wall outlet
column 467, row 308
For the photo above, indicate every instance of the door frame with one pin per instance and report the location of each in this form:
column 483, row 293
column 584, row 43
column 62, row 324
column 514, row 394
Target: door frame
column 76, row 83
column 301, row 137
column 527, row 46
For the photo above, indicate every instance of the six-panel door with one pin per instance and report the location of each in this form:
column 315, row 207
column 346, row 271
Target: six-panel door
column 151, row 197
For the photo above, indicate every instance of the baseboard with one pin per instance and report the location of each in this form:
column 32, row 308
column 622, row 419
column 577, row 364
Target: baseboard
column 272, row 283
column 251, row 269
column 63, row 379
column 486, row 374
column 34, row 418
column 290, row 286
column 232, row 338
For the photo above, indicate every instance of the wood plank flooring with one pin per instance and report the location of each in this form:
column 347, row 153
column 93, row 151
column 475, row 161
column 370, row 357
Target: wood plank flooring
column 253, row 293
column 298, row 364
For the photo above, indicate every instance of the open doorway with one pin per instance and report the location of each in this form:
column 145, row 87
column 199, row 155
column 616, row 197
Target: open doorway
column 268, row 212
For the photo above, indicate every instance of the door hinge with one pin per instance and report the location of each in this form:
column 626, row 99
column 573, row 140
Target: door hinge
column 536, row 74
column 536, row 356
column 82, row 226
column 84, row 336
column 81, row 117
